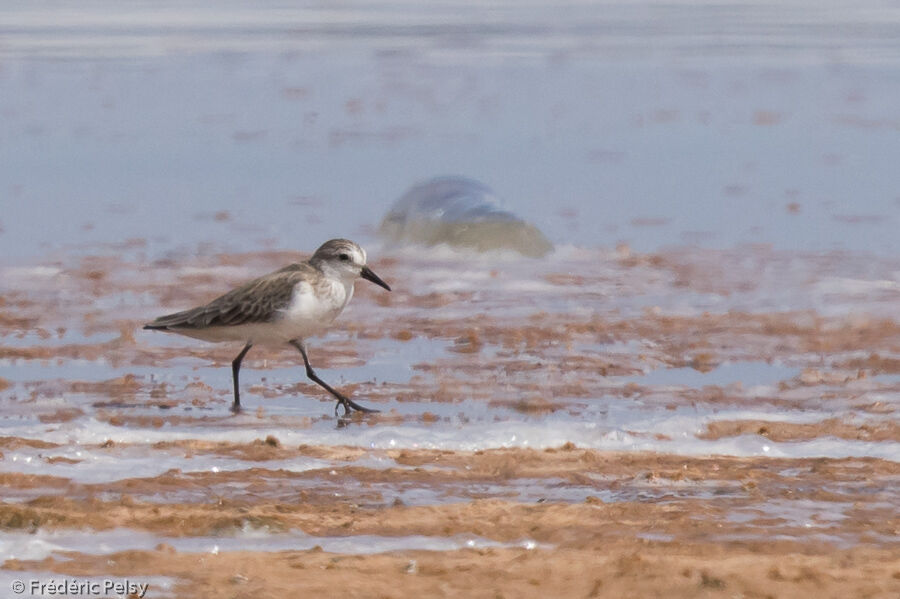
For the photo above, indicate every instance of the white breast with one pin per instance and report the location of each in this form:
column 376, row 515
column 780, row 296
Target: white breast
column 312, row 309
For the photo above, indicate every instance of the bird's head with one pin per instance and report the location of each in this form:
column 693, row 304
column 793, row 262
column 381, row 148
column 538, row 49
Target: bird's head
column 346, row 260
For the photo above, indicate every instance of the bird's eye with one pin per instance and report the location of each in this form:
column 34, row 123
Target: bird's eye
column 344, row 257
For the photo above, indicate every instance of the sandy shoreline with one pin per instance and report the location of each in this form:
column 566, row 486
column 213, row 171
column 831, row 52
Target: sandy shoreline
column 570, row 444
column 724, row 541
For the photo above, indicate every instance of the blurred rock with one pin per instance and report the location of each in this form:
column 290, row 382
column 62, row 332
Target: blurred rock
column 461, row 213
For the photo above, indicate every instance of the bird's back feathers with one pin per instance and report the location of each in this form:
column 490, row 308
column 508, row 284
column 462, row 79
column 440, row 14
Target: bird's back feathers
column 258, row 301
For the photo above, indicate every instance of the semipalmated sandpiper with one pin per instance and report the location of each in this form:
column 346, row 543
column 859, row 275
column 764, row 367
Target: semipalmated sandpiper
column 283, row 307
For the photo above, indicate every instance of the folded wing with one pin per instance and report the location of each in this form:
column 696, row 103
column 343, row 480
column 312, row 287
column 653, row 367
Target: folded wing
column 259, row 300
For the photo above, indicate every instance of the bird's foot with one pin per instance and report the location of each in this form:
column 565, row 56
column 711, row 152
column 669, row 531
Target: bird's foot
column 348, row 405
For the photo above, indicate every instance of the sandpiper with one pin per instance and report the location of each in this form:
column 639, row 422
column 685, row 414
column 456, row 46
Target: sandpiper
column 283, row 307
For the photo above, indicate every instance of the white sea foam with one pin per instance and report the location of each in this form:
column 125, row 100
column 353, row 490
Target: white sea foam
column 42, row 544
column 675, row 433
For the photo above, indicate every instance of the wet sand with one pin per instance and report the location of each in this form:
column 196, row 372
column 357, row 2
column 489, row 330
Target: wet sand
column 571, row 442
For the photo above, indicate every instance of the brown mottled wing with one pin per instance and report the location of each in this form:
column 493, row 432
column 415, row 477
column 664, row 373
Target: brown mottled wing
column 256, row 301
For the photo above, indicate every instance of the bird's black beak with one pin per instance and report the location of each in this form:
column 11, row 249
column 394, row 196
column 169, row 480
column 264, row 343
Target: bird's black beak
column 368, row 275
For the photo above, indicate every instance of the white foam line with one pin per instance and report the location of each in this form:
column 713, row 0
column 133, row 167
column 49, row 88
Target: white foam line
column 681, row 430
column 43, row 544
column 96, row 466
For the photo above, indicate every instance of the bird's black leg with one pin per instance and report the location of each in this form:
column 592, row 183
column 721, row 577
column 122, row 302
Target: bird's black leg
column 235, row 369
column 342, row 400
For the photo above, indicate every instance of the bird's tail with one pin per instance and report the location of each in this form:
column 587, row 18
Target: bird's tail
column 178, row 320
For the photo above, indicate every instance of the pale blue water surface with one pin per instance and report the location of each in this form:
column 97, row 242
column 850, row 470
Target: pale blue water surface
column 652, row 123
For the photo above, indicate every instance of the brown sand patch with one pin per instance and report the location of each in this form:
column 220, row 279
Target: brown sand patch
column 880, row 430
column 622, row 568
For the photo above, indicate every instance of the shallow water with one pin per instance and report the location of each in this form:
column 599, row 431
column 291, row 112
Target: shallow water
column 554, row 366
column 186, row 129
